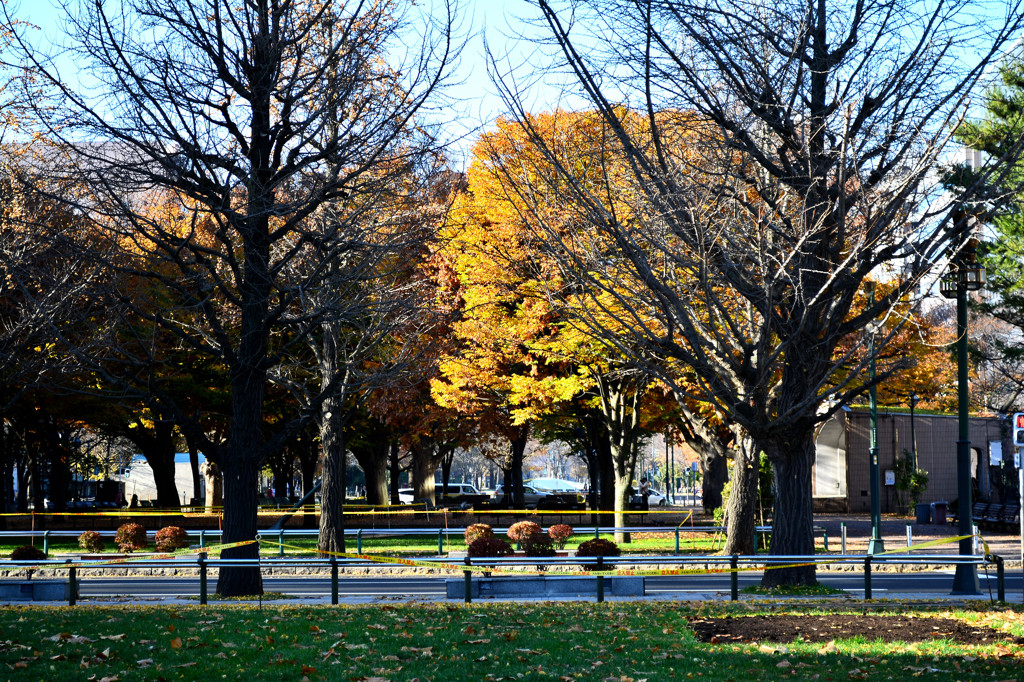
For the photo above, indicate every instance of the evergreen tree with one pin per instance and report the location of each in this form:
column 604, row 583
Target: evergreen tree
column 1000, row 133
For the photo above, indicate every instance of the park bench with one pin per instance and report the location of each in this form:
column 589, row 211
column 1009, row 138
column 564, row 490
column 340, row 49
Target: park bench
column 991, row 517
column 978, row 511
column 1009, row 517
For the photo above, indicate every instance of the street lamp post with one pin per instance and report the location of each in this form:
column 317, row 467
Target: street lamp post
column 965, row 274
column 668, row 472
column 875, row 545
column 914, row 398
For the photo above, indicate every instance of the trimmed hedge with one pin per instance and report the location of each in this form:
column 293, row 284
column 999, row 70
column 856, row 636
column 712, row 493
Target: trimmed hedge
column 476, row 531
column 91, row 541
column 170, row 538
column 489, row 547
column 595, row 548
column 130, row 537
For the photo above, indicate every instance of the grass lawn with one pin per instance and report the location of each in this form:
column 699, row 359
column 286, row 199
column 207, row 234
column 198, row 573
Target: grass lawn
column 570, row 641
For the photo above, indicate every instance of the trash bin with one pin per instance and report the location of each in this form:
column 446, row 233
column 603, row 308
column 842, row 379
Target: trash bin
column 939, row 513
column 923, row 514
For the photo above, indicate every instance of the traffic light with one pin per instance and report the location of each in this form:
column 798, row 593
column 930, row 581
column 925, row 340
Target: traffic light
column 1018, row 428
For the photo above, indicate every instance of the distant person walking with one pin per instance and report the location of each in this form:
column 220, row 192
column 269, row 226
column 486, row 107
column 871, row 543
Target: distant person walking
column 645, row 494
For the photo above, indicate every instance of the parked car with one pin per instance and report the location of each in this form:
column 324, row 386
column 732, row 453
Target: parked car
column 558, row 485
column 531, row 496
column 654, row 499
column 452, row 494
column 559, row 494
column 464, row 494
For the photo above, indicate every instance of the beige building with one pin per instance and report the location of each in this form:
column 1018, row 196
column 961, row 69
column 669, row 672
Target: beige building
column 840, row 480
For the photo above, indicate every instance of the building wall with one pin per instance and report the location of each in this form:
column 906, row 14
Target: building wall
column 936, row 453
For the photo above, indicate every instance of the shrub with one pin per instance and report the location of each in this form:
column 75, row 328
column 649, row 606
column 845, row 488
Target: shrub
column 476, row 531
column 521, row 530
column 595, row 548
column 130, row 537
column 91, row 541
column 27, row 553
column 489, row 547
column 539, row 544
column 560, row 533
column 170, row 538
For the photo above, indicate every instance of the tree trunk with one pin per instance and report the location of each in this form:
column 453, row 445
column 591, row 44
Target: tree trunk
column 60, row 474
column 374, row 461
column 396, row 471
column 707, row 440
column 446, row 467
column 793, row 521
column 157, row 446
column 241, row 481
column 198, row 480
column 6, row 474
column 620, row 407
column 332, row 479
column 214, row 485
column 517, row 449
column 282, row 466
column 715, row 469
column 24, row 475
column 742, row 505
column 424, row 466
column 308, row 460
column 35, row 469
column 623, row 486
column 606, row 475
column 159, row 453
column 593, row 476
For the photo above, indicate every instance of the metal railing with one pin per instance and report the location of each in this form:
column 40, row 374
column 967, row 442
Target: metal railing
column 601, row 567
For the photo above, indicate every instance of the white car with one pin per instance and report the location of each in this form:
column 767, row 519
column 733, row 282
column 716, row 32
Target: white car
column 460, row 491
column 656, row 499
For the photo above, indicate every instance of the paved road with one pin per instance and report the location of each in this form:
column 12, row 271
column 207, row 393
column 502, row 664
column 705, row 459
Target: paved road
column 933, row 584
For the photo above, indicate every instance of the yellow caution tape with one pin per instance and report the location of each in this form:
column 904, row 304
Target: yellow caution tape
column 389, row 510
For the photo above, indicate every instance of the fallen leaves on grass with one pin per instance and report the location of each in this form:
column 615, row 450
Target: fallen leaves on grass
column 69, row 638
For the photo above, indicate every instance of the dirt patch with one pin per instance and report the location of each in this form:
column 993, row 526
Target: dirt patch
column 786, row 629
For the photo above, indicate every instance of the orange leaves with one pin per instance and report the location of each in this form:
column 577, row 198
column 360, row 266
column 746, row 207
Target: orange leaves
column 522, row 345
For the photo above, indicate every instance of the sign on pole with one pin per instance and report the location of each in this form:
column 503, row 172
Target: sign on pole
column 1018, row 455
column 1018, row 429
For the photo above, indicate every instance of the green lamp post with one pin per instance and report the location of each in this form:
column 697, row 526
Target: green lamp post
column 965, row 274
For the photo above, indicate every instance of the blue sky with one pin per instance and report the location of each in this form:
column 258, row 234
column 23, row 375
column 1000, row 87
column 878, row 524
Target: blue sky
column 475, row 99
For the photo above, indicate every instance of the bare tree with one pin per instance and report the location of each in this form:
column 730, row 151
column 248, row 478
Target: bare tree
column 380, row 311
column 246, row 118
column 787, row 157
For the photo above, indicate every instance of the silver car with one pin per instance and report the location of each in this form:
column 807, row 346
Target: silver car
column 531, row 496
